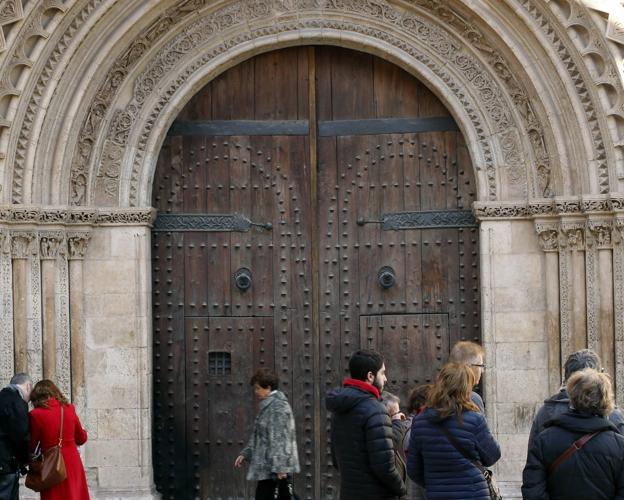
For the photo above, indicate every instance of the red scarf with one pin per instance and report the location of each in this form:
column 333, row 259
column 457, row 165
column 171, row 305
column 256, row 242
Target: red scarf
column 364, row 386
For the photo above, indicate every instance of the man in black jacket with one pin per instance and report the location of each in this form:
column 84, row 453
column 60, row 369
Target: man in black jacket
column 14, row 434
column 558, row 403
column 361, row 434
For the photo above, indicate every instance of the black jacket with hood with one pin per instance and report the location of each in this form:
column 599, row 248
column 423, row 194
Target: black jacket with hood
column 361, row 444
column 557, row 405
column 14, row 434
column 595, row 471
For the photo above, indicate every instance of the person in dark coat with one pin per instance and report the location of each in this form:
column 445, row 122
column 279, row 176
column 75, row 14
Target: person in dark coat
column 559, row 403
column 432, row 461
column 14, row 434
column 361, row 433
column 596, row 470
column 416, row 402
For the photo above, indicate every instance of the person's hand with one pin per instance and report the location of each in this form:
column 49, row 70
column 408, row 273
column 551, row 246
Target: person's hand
column 282, row 475
column 399, row 416
column 239, row 461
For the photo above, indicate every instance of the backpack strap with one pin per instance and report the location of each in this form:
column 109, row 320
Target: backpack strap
column 574, row 447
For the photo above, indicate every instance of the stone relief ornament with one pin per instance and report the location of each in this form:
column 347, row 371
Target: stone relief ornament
column 77, row 244
column 21, row 245
column 548, row 235
column 573, row 236
column 601, row 233
column 50, row 244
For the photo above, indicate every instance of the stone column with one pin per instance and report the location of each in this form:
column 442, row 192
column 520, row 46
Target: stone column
column 572, row 296
column 77, row 246
column 21, row 253
column 618, row 306
column 7, row 359
column 49, row 243
column 548, row 233
column 600, row 292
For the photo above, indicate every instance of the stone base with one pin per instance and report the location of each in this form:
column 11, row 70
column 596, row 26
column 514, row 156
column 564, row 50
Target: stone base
column 101, row 494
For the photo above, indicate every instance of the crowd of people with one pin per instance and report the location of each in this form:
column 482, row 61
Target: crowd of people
column 25, row 436
column 441, row 446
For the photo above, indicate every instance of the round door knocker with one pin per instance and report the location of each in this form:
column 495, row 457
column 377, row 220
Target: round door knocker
column 386, row 277
column 242, row 278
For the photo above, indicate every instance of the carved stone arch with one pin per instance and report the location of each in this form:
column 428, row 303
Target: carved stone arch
column 536, row 142
column 497, row 138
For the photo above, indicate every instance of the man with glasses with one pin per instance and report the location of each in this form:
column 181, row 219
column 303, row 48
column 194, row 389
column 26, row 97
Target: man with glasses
column 559, row 403
column 471, row 354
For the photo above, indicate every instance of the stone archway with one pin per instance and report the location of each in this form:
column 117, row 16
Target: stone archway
column 88, row 89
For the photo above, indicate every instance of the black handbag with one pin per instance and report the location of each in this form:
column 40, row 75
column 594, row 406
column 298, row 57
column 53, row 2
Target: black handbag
column 495, row 493
column 284, row 490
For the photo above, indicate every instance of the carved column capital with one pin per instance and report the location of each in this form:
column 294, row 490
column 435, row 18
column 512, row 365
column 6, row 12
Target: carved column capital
column 599, row 234
column 572, row 235
column 77, row 245
column 22, row 244
column 548, row 235
column 51, row 244
column 618, row 231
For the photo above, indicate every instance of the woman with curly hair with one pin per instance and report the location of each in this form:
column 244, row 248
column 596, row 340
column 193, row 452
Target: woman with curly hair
column 45, row 428
column 450, row 441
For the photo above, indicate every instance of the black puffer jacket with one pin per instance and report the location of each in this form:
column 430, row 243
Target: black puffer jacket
column 595, row 472
column 14, row 435
column 361, row 442
column 557, row 405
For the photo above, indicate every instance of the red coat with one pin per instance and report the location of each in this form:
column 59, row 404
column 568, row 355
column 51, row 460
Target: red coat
column 45, row 427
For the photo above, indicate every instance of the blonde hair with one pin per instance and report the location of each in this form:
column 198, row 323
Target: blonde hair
column 466, row 352
column 591, row 391
column 450, row 394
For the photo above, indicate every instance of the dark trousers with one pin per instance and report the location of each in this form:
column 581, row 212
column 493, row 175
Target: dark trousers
column 266, row 489
column 9, row 486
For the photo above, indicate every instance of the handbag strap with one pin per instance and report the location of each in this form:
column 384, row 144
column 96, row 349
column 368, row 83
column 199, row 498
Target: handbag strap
column 61, row 431
column 461, row 450
column 571, row 450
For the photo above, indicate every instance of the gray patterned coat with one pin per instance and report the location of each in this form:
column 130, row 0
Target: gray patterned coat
column 272, row 447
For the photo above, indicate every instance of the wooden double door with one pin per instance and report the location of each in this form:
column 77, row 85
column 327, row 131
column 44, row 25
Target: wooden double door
column 312, row 201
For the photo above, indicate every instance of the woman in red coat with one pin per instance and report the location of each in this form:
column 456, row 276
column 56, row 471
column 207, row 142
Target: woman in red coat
column 45, row 423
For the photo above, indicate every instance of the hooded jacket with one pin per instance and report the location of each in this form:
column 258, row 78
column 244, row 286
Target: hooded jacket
column 557, row 405
column 434, row 463
column 14, row 433
column 595, row 471
column 361, row 444
column 272, row 447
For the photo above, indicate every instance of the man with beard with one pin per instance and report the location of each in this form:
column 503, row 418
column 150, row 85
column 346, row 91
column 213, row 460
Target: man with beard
column 361, row 433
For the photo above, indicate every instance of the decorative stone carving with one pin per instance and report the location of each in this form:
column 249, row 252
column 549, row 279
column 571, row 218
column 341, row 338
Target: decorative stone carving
column 74, row 216
column 618, row 306
column 6, row 310
column 10, row 12
column 573, row 236
column 548, row 234
column 561, row 43
column 77, row 245
column 601, row 233
column 50, row 243
column 21, row 245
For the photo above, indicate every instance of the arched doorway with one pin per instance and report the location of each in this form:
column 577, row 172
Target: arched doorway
column 312, row 201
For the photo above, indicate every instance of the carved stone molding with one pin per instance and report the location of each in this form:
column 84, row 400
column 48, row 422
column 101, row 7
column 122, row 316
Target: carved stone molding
column 22, row 244
column 570, row 59
column 75, row 216
column 77, row 245
column 51, row 244
column 606, row 205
